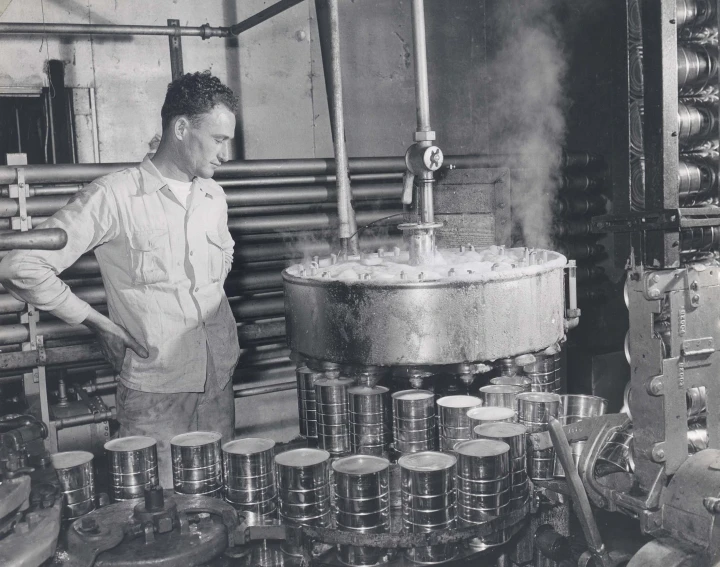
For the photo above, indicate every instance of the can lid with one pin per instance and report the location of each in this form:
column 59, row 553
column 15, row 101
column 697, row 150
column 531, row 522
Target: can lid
column 500, row 430
column 248, row 446
column 459, row 402
column 367, row 390
column 70, row 459
column 132, row 443
column 302, row 457
column 489, row 413
column 482, row 448
column 413, row 395
column 360, row 464
column 427, row 461
column 196, row 438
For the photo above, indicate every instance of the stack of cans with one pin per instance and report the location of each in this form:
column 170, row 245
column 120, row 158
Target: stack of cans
column 306, row 379
column 544, row 373
column 522, row 381
column 483, row 486
column 428, row 501
column 576, row 408
column 77, row 482
column 490, row 414
column 414, row 421
column 132, row 463
column 250, row 478
column 332, row 415
column 454, row 422
column 534, row 412
column 303, row 481
column 501, row 396
column 514, row 435
column 362, row 504
column 370, row 420
column 197, row 463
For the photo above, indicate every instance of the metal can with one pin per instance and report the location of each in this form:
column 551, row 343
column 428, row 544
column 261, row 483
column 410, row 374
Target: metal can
column 77, row 482
column 501, row 396
column 132, row 465
column 197, row 463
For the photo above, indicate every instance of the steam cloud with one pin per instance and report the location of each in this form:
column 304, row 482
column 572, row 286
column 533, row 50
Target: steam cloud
column 526, row 76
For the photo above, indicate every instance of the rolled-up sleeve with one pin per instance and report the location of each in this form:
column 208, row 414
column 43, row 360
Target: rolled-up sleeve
column 90, row 218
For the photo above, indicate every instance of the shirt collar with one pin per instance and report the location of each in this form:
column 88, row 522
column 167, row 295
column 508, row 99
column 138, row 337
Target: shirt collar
column 152, row 180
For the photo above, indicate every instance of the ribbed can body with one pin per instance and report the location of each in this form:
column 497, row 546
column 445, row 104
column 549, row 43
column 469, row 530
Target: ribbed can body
column 249, row 478
column 77, row 482
column 132, row 465
column 369, row 419
column 514, row 435
column 333, row 427
column 307, row 410
column 429, row 501
column 575, row 408
column 197, row 463
column 454, row 423
column 501, row 396
column 545, row 373
column 303, row 486
column 414, row 421
column 534, row 411
column 362, row 503
column 490, row 414
column 483, row 486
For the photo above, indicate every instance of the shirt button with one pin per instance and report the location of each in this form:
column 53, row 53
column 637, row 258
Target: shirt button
column 191, row 252
column 197, row 289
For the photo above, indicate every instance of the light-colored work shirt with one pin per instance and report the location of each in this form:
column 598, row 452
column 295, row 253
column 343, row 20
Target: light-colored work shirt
column 163, row 266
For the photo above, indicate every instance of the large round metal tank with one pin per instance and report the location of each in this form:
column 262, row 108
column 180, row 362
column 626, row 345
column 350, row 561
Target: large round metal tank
column 473, row 306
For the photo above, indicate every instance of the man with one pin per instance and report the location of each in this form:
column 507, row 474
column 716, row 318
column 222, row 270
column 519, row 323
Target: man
column 161, row 239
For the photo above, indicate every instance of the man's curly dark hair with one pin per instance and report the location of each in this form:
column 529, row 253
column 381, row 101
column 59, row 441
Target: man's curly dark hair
column 194, row 94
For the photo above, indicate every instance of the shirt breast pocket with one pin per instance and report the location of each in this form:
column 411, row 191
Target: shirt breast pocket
column 149, row 256
column 216, row 257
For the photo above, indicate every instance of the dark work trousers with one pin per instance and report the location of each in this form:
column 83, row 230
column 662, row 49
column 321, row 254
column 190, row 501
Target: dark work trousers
column 162, row 416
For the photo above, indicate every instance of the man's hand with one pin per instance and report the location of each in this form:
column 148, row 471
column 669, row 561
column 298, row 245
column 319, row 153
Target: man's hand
column 113, row 339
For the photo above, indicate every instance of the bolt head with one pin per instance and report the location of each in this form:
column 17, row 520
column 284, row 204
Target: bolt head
column 695, row 300
column 654, row 293
column 694, row 286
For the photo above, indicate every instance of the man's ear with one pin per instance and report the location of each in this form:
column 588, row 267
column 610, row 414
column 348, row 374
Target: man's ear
column 181, row 127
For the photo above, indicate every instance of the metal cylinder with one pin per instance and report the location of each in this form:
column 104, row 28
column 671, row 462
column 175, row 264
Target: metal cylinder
column 455, row 425
column 501, row 396
column 696, row 122
column 490, row 414
column 414, row 420
column 577, row 407
column 303, row 481
column 332, row 414
column 616, row 455
column 428, row 501
column 362, row 503
column 249, row 478
column 307, row 408
column 544, row 374
column 132, row 465
column 77, row 482
column 197, row 463
column 369, row 420
column 697, row 64
column 534, row 411
column 514, row 434
column 483, row 486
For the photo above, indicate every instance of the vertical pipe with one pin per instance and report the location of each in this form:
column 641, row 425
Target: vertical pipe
column 176, row 55
column 17, row 125
column 329, row 29
column 422, row 93
column 51, row 124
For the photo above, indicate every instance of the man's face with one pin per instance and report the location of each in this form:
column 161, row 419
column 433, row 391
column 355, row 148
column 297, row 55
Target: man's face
column 205, row 142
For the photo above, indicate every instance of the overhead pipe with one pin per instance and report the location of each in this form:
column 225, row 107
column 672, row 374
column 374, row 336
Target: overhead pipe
column 308, row 180
column 50, row 356
column 241, row 392
column 263, row 16
column 204, row 31
column 328, row 20
column 86, row 172
column 46, row 239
